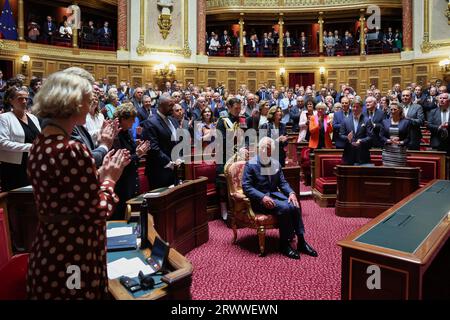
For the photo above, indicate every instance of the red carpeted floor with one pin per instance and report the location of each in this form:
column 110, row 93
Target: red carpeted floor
column 235, row 272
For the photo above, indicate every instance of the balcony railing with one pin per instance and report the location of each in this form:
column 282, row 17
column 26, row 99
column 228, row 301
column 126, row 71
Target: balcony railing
column 293, row 4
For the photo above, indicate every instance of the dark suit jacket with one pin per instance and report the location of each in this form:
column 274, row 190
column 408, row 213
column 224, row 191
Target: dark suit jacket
column 438, row 140
column 46, row 30
column 256, row 185
column 377, row 119
column 103, row 35
column 80, row 134
column 417, row 118
column 294, row 117
column 359, row 154
column 338, row 121
column 143, row 114
column 428, row 105
column 158, row 133
column 269, row 126
column 403, row 127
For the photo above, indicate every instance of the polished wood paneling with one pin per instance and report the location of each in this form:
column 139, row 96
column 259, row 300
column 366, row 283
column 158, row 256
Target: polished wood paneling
column 359, row 189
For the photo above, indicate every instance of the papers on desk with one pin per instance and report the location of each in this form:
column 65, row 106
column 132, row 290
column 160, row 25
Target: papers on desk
column 116, row 232
column 151, row 194
column 128, row 267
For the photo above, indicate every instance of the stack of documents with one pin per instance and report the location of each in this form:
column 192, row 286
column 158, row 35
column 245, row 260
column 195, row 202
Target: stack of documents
column 128, row 267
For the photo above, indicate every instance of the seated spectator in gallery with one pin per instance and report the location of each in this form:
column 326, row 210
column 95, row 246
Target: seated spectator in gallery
column 253, row 46
column 289, row 44
column 104, row 34
column 330, row 44
column 33, row 31
column 303, row 44
column 65, row 31
column 398, row 41
column 338, row 40
column 389, row 39
column 214, row 45
column 89, row 32
column 49, row 29
column 127, row 186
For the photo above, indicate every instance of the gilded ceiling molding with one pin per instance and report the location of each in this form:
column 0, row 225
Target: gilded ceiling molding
column 144, row 49
column 428, row 45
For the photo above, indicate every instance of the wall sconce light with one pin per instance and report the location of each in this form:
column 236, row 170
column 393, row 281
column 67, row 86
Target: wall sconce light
column 445, row 65
column 25, row 60
column 322, row 75
column 283, row 75
column 165, row 70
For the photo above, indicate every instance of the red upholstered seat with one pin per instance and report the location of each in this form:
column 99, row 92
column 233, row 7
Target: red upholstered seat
column 326, row 185
column 327, row 164
column 143, row 181
column 207, row 170
column 266, row 219
column 13, row 278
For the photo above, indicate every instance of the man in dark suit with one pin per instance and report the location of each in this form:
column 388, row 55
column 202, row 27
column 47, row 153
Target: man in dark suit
column 376, row 117
column 356, row 131
column 264, row 184
column 49, row 29
column 107, row 136
column 146, row 111
column 178, row 117
column 289, row 43
column 338, row 121
column 137, row 98
column 160, row 130
column 438, row 125
column 105, row 34
column 414, row 113
column 430, row 103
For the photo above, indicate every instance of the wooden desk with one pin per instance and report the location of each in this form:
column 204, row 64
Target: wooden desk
column 175, row 285
column 409, row 243
column 369, row 191
column 180, row 214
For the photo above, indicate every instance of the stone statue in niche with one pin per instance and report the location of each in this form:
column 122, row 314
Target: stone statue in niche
column 165, row 18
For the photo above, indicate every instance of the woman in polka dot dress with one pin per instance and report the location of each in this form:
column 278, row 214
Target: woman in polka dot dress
column 73, row 200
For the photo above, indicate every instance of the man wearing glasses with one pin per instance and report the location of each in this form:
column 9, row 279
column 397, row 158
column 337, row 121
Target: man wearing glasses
column 414, row 113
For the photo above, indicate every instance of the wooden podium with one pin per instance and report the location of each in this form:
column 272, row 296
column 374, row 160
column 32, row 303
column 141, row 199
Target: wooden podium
column 368, row 191
column 179, row 213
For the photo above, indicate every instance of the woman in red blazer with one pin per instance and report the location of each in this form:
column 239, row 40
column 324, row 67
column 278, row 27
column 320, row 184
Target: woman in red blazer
column 320, row 129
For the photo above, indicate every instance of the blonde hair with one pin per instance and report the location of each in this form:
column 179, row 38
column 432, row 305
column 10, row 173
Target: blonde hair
column 272, row 111
column 321, row 105
column 125, row 111
column 62, row 95
column 81, row 73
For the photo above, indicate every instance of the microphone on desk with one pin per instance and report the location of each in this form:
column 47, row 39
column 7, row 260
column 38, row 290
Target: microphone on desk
column 143, row 217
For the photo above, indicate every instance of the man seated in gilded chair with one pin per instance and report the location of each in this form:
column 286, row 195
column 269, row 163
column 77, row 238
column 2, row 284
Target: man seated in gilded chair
column 264, row 184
